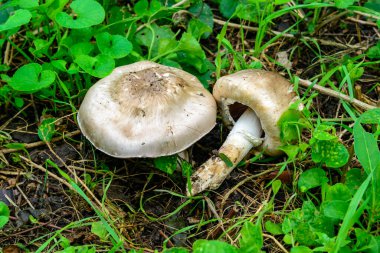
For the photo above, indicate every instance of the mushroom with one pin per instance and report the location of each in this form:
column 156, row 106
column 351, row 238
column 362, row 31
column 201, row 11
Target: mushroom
column 146, row 110
column 266, row 96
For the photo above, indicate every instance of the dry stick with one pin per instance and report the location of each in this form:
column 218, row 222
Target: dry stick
column 276, row 242
column 288, row 35
column 51, row 174
column 333, row 93
column 40, row 143
column 10, row 120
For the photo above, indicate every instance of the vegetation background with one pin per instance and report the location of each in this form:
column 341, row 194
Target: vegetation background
column 59, row 194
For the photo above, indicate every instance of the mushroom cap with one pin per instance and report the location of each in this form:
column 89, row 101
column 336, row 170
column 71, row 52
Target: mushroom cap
column 267, row 93
column 146, row 110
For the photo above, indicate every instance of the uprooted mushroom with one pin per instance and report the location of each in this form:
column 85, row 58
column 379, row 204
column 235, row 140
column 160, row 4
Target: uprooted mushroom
column 146, row 110
column 266, row 96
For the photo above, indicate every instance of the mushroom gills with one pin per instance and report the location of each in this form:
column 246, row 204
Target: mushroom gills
column 245, row 135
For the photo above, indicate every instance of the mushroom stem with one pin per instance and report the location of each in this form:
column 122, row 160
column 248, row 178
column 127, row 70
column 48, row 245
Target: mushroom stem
column 243, row 137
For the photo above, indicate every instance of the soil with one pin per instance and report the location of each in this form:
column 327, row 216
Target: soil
column 135, row 194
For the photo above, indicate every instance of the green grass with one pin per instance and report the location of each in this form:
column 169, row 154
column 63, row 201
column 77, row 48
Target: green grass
column 331, row 203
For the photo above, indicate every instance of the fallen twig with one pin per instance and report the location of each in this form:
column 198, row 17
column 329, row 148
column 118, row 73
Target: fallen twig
column 333, row 93
column 40, row 143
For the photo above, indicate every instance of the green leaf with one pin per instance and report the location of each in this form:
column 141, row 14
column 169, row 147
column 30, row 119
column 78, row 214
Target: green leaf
column 27, row 4
column 273, row 228
column 251, row 238
column 191, row 52
column 88, row 13
column 53, row 7
column 276, row 185
column 370, row 117
column 332, row 153
column 205, row 246
column 19, row 18
column 47, row 129
column 99, row 66
column 176, row 250
column 342, row 4
column 335, row 209
column 4, row 214
column 374, row 51
column 226, row 160
column 99, row 229
column 354, row 178
column 228, row 7
column 373, row 5
column 202, row 12
column 312, row 178
column 144, row 8
column 167, row 164
column 300, row 249
column 366, row 149
column 31, row 78
column 115, row 46
column 197, row 28
column 82, row 48
column 290, row 126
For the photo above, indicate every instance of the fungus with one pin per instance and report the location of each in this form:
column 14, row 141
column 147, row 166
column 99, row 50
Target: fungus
column 146, row 110
column 266, row 96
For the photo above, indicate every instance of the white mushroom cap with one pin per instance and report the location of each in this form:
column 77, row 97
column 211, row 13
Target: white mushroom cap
column 266, row 93
column 146, row 110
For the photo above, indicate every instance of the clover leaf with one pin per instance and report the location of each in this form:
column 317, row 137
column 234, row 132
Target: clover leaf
column 333, row 153
column 31, row 78
column 19, row 18
column 99, row 66
column 4, row 214
column 89, row 13
column 116, row 46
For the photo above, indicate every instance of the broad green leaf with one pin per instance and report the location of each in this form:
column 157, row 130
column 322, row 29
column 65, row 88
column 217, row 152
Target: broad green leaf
column 202, row 12
column 335, row 208
column 251, row 239
column 88, row 13
column 20, row 17
column 208, row 246
column 342, row 4
column 47, row 129
column 167, row 164
column 99, row 66
column 191, row 53
column 373, row 5
column 151, row 37
column 144, row 8
column 276, row 185
column 338, row 191
column 273, row 228
column 290, row 126
column 370, row 117
column 53, row 7
column 333, row 153
column 27, row 4
column 176, row 250
column 374, row 51
column 301, row 249
column 31, row 78
column 4, row 214
column 354, row 178
column 228, row 7
column 312, row 178
column 365, row 242
column 115, row 46
column 82, row 48
column 366, row 149
column 197, row 28
column 98, row 229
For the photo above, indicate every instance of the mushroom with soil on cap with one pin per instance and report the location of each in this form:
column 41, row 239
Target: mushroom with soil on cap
column 146, row 110
column 266, row 96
